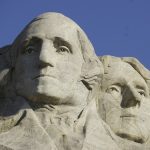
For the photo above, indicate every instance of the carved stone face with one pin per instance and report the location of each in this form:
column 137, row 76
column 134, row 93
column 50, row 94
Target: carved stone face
column 121, row 105
column 49, row 63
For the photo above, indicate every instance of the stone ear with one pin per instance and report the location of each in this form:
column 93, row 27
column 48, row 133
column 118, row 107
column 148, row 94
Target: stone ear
column 92, row 72
column 92, row 68
column 5, row 66
column 5, row 61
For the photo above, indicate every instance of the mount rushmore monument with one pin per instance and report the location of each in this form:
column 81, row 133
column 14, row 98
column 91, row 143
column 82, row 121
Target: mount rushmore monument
column 56, row 94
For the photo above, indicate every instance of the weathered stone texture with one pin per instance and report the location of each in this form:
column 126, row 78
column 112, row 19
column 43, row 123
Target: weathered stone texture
column 56, row 94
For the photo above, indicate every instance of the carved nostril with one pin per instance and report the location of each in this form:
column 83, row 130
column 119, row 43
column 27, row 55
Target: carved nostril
column 45, row 64
column 138, row 102
column 127, row 103
column 130, row 97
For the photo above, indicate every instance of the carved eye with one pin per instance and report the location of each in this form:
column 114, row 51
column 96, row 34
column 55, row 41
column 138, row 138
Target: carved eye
column 114, row 90
column 63, row 49
column 29, row 49
column 142, row 93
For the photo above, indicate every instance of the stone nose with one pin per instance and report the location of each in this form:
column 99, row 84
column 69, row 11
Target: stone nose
column 131, row 97
column 47, row 55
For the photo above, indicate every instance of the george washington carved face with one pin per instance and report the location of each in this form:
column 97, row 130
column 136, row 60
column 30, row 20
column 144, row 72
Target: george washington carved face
column 53, row 57
column 49, row 62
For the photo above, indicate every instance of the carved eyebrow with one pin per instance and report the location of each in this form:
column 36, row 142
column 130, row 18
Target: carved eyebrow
column 141, row 87
column 58, row 41
column 34, row 40
column 118, row 84
column 30, row 41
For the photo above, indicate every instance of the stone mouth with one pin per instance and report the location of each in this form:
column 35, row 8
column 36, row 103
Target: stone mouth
column 42, row 75
column 128, row 116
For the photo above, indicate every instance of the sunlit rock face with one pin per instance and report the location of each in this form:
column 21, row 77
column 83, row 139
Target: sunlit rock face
column 49, row 83
column 124, row 100
column 56, row 94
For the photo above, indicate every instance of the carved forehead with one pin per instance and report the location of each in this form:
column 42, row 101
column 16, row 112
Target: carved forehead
column 124, row 64
column 122, row 71
column 51, row 24
column 120, row 67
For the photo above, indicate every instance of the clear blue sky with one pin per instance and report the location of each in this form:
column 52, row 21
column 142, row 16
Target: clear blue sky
column 115, row 27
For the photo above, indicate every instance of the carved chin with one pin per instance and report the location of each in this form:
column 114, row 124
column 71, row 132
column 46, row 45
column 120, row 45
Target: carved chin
column 133, row 133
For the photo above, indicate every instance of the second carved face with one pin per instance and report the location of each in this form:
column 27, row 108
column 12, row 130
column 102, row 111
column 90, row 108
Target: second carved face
column 123, row 101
